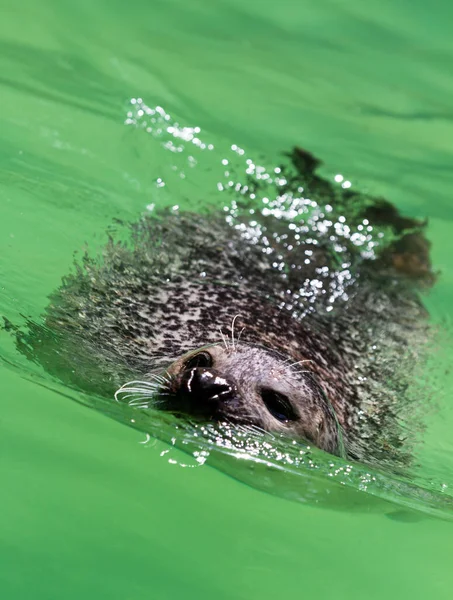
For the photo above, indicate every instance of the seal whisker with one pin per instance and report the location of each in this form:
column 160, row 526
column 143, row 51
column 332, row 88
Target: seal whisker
column 232, row 331
column 257, row 429
column 131, row 388
column 134, row 395
column 135, row 401
column 159, row 378
column 239, row 336
column 149, row 400
column 300, row 362
column 145, row 390
column 299, row 372
column 127, row 388
column 150, row 384
column 225, row 343
column 285, row 362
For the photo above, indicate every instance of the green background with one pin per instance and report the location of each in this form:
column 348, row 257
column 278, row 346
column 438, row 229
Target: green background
column 86, row 509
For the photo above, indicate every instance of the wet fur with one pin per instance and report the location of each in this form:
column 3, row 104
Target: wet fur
column 185, row 276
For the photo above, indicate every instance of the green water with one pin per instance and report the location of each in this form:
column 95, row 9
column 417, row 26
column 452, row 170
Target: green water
column 86, row 509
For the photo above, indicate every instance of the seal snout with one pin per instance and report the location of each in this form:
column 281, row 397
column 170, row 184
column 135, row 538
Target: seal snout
column 205, row 385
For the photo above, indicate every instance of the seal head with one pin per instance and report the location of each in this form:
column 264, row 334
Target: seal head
column 251, row 385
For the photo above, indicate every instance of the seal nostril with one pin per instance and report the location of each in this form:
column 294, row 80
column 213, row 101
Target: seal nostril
column 205, row 385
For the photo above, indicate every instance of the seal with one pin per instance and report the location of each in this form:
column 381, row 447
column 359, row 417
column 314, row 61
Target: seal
column 304, row 319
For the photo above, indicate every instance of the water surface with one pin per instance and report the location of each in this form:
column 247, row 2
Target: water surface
column 89, row 509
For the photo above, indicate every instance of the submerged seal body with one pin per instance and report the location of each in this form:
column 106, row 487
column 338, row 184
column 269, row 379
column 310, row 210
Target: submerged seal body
column 303, row 319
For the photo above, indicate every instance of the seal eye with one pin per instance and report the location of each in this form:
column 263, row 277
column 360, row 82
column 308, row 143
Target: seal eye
column 201, row 359
column 278, row 405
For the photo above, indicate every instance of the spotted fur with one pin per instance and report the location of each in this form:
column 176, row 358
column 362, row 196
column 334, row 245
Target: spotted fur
column 183, row 277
